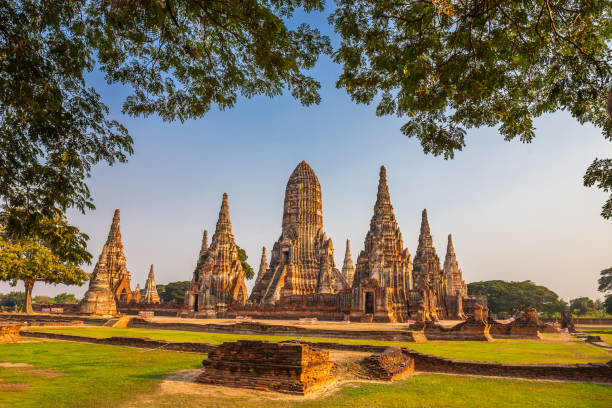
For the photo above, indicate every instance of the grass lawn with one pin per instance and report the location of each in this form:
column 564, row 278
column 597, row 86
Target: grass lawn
column 420, row 391
column 554, row 349
column 67, row 374
column 606, row 337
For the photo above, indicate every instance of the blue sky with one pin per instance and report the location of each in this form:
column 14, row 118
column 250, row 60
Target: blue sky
column 516, row 211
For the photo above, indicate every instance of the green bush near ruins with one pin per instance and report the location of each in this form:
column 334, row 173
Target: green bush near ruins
column 556, row 350
column 67, row 374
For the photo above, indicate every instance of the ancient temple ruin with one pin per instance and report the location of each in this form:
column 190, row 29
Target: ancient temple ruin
column 151, row 295
column 348, row 268
column 99, row 299
column 428, row 279
column 302, row 261
column 456, row 288
column 455, row 285
column 119, row 277
column 263, row 266
column 383, row 273
column 218, row 281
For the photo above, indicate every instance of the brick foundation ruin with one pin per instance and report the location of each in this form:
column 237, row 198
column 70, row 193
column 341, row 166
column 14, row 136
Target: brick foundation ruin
column 9, row 332
column 293, row 368
column 391, row 364
column 527, row 326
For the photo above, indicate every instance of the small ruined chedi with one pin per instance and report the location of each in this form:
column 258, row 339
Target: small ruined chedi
column 218, row 281
column 302, row 261
column 151, row 295
column 348, row 267
column 263, row 266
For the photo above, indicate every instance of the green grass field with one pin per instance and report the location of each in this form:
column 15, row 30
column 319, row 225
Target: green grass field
column 68, row 374
column 551, row 350
column 606, row 337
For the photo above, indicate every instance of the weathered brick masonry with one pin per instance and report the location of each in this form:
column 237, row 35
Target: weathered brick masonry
column 293, row 368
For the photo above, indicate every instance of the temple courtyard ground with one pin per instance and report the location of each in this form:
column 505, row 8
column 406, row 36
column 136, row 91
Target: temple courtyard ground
column 36, row 373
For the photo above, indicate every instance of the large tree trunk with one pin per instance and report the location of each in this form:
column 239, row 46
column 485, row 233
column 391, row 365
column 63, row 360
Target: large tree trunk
column 28, row 297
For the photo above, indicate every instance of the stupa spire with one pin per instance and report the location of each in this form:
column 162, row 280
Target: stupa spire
column 204, row 247
column 425, row 240
column 383, row 199
column 151, row 295
column 223, row 223
column 348, row 267
column 450, row 249
column 263, row 266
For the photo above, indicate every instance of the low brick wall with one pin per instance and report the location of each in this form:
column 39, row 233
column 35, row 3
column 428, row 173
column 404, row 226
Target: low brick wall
column 591, row 372
column 52, row 318
column 279, row 330
column 139, row 342
column 600, row 373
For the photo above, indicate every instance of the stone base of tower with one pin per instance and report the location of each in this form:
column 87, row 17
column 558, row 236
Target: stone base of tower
column 99, row 302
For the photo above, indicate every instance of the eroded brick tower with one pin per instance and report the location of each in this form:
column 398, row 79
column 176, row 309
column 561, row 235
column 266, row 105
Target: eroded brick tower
column 428, row 278
column 383, row 274
column 302, row 260
column 218, row 281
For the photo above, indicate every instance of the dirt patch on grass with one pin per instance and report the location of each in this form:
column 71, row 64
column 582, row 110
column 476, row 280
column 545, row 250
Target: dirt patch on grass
column 182, row 383
column 16, row 387
column 8, row 364
column 42, row 372
column 29, row 369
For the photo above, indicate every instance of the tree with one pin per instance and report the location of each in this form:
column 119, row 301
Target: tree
column 65, row 298
column 605, row 287
column 582, row 305
column 42, row 300
column 453, row 65
column 29, row 261
column 173, row 292
column 179, row 57
column 249, row 273
column 514, row 297
column 13, row 299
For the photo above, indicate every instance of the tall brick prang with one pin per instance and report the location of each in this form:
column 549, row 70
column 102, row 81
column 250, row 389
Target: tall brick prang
column 302, row 261
column 218, row 281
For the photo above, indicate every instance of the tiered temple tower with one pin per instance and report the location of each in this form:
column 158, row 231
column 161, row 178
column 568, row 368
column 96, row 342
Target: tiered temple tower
column 348, row 268
column 263, row 266
column 151, row 295
column 99, row 299
column 218, row 281
column 119, row 276
column 455, row 285
column 302, row 261
column 428, row 278
column 383, row 274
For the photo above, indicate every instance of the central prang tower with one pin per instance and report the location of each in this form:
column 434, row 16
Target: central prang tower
column 302, row 261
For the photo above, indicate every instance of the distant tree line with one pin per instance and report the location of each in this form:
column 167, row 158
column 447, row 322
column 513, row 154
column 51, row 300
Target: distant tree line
column 173, row 292
column 16, row 300
column 515, row 297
